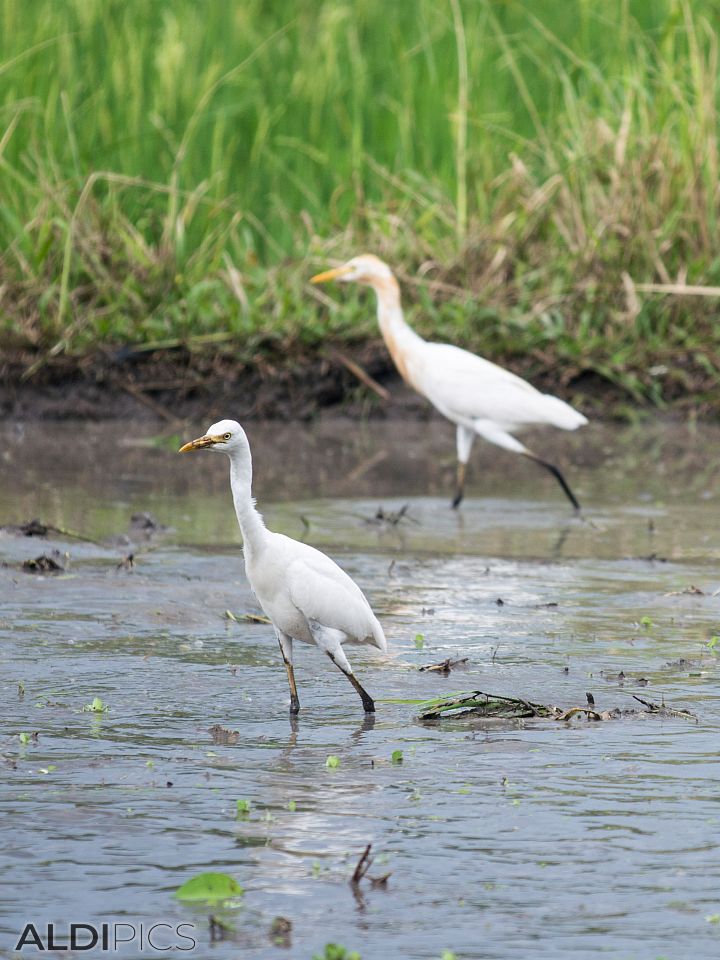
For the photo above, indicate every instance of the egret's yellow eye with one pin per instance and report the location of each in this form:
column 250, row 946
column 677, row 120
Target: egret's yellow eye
column 227, row 436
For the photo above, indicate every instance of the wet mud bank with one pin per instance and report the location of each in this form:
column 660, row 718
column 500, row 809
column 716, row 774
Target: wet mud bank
column 357, row 380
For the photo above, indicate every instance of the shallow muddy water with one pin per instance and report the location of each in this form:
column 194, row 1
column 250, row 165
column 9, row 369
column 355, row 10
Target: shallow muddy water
column 503, row 840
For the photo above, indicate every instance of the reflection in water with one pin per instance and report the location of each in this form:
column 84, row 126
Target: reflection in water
column 544, row 840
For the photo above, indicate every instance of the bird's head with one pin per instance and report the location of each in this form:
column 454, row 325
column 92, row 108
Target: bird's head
column 367, row 269
column 225, row 436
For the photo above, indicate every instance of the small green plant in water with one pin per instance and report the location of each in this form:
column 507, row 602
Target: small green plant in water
column 332, row 762
column 448, row 955
column 646, row 622
column 333, row 951
column 712, row 644
column 397, row 757
column 292, row 806
column 210, row 888
column 243, row 807
column 97, row 706
column 419, row 641
column 24, row 738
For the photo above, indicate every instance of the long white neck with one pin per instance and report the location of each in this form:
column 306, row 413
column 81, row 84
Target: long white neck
column 400, row 338
column 251, row 523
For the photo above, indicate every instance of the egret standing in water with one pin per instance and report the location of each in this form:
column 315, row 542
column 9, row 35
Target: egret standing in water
column 304, row 593
column 477, row 395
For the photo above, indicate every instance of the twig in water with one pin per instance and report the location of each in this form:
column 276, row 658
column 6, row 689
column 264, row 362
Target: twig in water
column 255, row 618
column 361, row 871
column 445, row 666
column 391, row 517
column 662, row 708
column 246, row 617
column 362, row 866
column 36, row 528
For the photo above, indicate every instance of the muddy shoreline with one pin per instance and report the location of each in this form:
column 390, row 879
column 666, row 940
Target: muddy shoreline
column 176, row 384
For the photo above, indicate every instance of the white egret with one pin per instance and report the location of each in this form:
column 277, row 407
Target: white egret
column 477, row 395
column 305, row 594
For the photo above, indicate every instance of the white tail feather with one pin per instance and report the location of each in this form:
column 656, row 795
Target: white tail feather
column 561, row 414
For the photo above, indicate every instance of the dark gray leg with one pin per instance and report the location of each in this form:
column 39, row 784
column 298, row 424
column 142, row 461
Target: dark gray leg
column 558, row 476
column 464, row 440
column 286, row 651
column 460, row 486
column 367, row 701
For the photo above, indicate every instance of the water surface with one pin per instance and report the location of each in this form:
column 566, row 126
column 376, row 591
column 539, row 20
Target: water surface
column 503, row 841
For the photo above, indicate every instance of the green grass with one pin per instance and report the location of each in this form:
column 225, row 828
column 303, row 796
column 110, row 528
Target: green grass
column 178, row 170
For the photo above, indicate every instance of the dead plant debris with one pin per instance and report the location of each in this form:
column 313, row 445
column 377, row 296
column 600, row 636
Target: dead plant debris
column 361, row 871
column 145, row 524
column 246, row 617
column 221, row 736
column 280, row 932
column 220, row 929
column 56, row 563
column 445, row 666
column 621, row 678
column 391, row 518
column 489, row 706
column 37, row 528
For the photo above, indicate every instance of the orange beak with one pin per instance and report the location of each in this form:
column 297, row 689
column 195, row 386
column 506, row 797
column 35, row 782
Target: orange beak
column 330, row 274
column 206, row 441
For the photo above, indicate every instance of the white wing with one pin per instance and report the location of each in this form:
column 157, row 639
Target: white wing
column 466, row 387
column 323, row 592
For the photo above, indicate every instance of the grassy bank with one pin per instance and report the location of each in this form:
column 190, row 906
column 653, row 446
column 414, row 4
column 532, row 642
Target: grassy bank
column 177, row 170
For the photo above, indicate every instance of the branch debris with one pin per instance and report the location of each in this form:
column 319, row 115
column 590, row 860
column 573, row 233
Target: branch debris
column 445, row 666
column 490, row 706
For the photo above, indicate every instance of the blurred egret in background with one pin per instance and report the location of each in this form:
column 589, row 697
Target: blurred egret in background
column 477, row 395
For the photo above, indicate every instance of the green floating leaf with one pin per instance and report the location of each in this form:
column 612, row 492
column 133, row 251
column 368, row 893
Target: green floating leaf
column 209, row 887
column 97, row 706
column 243, row 807
column 332, row 762
column 396, row 756
column 646, row 622
column 419, row 641
column 335, row 951
column 292, row 806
